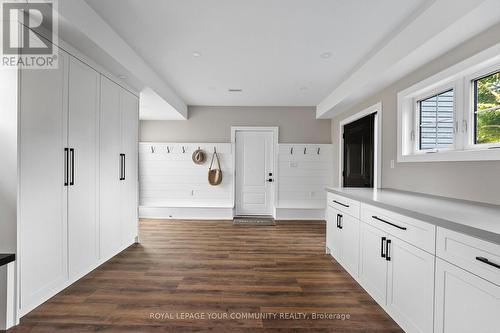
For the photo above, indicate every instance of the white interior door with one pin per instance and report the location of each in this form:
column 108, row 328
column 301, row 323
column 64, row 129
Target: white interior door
column 84, row 150
column 254, row 172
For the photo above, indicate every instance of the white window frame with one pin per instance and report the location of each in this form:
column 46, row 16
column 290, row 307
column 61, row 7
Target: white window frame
column 459, row 78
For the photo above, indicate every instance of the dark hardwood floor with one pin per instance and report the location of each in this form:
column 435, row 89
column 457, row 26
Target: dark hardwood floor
column 197, row 268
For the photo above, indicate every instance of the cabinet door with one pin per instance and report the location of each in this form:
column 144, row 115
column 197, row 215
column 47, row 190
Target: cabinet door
column 109, row 177
column 464, row 302
column 350, row 244
column 335, row 235
column 83, row 189
column 372, row 266
column 129, row 185
column 330, row 225
column 42, row 193
column 410, row 287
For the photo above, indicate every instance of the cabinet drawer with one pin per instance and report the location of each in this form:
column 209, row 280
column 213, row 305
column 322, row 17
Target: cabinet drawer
column 472, row 254
column 343, row 204
column 415, row 232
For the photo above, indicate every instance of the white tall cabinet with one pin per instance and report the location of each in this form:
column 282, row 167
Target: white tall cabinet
column 119, row 168
column 78, row 176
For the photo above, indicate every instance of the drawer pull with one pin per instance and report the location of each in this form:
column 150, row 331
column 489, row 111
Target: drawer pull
column 340, row 203
column 487, row 262
column 339, row 221
column 387, row 247
column 389, row 223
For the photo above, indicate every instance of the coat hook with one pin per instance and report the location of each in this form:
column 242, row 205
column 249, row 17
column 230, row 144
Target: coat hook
column 291, row 151
column 215, row 150
column 319, row 150
column 168, row 150
column 152, row 149
column 183, row 150
column 305, row 150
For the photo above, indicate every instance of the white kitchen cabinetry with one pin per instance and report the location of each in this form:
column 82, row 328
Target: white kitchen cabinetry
column 42, row 246
column 410, row 286
column 130, row 180
column 65, row 167
column 83, row 157
column 372, row 262
column 118, row 168
column 464, row 302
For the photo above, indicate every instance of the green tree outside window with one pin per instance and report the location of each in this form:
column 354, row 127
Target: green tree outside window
column 487, row 108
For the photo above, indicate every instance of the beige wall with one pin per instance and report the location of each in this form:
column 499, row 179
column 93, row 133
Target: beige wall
column 479, row 181
column 213, row 124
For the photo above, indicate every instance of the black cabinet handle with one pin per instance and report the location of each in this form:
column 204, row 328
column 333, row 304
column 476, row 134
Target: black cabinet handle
column 66, row 166
column 72, row 179
column 387, row 247
column 487, row 262
column 122, row 166
column 124, row 163
column 339, row 218
column 382, row 245
column 340, row 203
column 270, row 180
column 389, row 223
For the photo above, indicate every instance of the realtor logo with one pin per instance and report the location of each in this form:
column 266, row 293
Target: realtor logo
column 28, row 34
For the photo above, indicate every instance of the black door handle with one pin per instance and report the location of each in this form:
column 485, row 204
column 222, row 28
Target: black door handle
column 66, row 166
column 382, row 254
column 72, row 153
column 487, row 262
column 387, row 247
column 339, row 217
column 270, row 180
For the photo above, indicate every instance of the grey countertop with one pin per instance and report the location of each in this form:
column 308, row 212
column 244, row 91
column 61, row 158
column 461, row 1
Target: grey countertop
column 472, row 218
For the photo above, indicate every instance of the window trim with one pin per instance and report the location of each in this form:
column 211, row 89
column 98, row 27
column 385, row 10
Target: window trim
column 459, row 77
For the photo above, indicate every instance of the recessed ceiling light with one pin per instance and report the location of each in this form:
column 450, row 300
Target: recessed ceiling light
column 326, row 55
column 235, row 90
column 196, row 54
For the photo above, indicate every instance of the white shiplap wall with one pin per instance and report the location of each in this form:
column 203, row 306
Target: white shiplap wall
column 304, row 170
column 172, row 179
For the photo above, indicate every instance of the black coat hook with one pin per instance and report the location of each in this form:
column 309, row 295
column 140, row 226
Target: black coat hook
column 215, row 150
column 305, row 150
column 152, row 149
column 319, row 150
column 291, row 151
column 168, row 150
column 183, row 150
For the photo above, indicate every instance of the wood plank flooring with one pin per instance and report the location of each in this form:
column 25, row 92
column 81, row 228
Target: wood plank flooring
column 184, row 271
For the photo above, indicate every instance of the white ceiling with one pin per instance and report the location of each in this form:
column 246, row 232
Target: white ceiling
column 269, row 48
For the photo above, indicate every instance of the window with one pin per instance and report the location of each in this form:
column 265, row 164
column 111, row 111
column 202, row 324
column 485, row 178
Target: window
column 453, row 115
column 436, row 121
column 487, row 109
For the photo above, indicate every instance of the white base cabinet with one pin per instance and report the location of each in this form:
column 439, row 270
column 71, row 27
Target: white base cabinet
column 428, row 279
column 465, row 302
column 343, row 239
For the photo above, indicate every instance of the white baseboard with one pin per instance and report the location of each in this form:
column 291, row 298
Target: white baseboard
column 300, row 214
column 188, row 213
